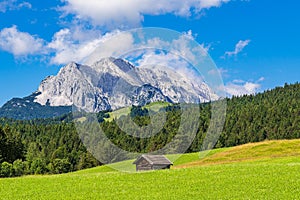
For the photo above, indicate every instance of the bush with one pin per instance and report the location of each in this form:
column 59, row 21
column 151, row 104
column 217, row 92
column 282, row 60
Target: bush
column 6, row 170
column 38, row 166
column 61, row 166
column 18, row 167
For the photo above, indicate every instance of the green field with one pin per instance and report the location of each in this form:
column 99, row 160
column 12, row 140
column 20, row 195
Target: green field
column 155, row 106
column 267, row 170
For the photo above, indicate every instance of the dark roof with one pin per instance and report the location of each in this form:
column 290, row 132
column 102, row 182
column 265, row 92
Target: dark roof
column 155, row 159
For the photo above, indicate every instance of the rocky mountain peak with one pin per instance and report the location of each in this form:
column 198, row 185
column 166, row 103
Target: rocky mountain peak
column 114, row 83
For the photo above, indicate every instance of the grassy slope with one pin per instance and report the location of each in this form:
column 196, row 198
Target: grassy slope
column 263, row 151
column 268, row 170
column 155, row 106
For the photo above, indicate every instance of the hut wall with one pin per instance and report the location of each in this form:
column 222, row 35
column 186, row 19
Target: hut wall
column 143, row 165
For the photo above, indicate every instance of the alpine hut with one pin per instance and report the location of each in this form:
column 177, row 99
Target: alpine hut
column 152, row 162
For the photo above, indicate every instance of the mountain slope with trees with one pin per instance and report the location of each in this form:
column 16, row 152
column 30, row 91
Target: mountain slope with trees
column 26, row 109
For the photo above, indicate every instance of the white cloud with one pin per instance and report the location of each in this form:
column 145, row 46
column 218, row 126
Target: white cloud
column 87, row 47
column 183, row 47
column 112, row 44
column 13, row 5
column 67, row 45
column 70, row 46
column 239, row 47
column 20, row 43
column 162, row 59
column 241, row 87
column 174, row 50
column 238, row 81
column 169, row 62
column 124, row 13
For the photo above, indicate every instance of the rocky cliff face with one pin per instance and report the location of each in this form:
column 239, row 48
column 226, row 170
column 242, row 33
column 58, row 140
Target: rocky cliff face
column 114, row 83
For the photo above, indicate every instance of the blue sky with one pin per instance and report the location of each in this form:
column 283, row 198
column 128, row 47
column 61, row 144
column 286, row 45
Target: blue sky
column 254, row 43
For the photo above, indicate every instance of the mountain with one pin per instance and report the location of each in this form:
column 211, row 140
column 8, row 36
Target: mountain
column 107, row 84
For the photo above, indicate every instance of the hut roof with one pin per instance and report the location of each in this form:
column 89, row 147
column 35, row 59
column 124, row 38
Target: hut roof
column 155, row 159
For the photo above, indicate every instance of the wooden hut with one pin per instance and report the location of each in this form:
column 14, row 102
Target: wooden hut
column 152, row 162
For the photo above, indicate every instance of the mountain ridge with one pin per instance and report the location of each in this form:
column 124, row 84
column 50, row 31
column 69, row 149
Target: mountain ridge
column 110, row 84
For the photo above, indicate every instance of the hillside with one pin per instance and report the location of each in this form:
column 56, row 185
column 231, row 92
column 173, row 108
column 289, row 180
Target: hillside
column 267, row 175
column 272, row 115
column 253, row 152
column 26, row 109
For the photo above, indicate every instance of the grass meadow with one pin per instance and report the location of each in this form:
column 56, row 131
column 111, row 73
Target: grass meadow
column 267, row 170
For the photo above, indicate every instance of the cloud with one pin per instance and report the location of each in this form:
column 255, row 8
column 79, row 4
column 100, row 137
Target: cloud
column 13, row 5
column 175, row 48
column 114, row 44
column 240, row 87
column 239, row 47
column 183, row 47
column 68, row 46
column 162, row 59
column 87, row 46
column 124, row 13
column 20, row 43
column 75, row 43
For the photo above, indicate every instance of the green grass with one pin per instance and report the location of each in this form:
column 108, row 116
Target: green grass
column 155, row 106
column 118, row 113
column 268, row 170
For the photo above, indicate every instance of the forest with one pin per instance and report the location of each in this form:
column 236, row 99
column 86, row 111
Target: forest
column 53, row 146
